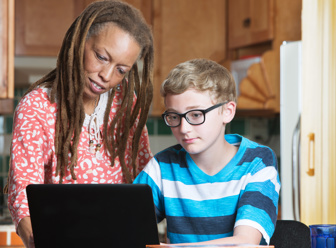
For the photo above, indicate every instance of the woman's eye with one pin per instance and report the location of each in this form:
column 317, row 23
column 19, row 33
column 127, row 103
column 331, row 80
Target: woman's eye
column 100, row 57
column 121, row 71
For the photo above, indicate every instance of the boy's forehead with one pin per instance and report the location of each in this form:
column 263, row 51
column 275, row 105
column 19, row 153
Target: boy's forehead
column 189, row 91
column 191, row 98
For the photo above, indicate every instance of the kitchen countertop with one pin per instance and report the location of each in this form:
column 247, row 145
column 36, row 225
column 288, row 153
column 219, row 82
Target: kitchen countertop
column 208, row 246
column 12, row 246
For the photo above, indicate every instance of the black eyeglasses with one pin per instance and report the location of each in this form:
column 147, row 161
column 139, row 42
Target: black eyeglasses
column 193, row 117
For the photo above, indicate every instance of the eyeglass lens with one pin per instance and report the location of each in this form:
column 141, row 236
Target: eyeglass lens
column 194, row 117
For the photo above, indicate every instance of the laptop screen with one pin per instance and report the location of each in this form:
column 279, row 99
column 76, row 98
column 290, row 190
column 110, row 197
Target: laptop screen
column 92, row 215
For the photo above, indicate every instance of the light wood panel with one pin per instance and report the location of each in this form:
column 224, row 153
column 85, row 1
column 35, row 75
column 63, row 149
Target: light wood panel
column 318, row 121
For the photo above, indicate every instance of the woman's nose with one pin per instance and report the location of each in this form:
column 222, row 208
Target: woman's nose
column 106, row 73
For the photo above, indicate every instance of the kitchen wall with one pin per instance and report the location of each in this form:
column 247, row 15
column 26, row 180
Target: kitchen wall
column 261, row 129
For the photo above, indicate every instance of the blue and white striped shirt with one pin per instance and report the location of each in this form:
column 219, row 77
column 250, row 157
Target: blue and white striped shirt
column 199, row 207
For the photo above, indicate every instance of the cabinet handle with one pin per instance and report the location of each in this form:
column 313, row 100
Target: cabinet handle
column 311, row 154
column 247, row 22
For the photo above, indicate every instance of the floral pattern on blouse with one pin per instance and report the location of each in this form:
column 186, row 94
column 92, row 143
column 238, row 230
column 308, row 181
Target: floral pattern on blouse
column 33, row 159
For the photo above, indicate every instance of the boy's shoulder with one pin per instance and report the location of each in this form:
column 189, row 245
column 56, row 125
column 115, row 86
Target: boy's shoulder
column 239, row 140
column 252, row 150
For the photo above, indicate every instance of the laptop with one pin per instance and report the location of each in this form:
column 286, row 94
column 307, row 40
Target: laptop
column 92, row 215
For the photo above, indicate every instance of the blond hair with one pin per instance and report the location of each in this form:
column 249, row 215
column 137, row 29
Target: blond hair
column 202, row 75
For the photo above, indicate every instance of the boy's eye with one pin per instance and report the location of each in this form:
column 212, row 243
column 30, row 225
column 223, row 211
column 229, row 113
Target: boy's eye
column 172, row 117
column 195, row 114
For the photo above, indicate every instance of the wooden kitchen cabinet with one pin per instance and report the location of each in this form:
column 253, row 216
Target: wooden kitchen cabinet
column 250, row 22
column 260, row 90
column 146, row 8
column 41, row 25
column 184, row 30
column 6, row 56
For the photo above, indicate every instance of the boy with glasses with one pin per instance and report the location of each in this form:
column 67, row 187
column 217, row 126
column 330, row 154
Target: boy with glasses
column 212, row 188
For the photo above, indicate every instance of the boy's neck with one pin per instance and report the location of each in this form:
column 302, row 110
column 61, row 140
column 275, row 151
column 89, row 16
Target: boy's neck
column 213, row 162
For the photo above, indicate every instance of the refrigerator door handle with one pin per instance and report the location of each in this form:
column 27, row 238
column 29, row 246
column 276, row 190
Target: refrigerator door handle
column 296, row 170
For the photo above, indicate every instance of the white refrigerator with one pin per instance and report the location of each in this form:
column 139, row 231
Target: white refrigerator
column 290, row 110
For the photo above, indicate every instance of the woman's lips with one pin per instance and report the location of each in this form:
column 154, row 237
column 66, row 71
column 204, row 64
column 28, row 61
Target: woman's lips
column 96, row 87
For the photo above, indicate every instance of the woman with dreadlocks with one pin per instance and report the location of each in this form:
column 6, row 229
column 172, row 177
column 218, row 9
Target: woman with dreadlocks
column 84, row 122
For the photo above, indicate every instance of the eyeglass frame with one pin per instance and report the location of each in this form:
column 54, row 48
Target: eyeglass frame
column 184, row 115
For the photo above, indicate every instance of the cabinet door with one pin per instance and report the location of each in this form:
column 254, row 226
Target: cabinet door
column 250, row 22
column 6, row 56
column 318, row 122
column 146, row 8
column 41, row 25
column 183, row 30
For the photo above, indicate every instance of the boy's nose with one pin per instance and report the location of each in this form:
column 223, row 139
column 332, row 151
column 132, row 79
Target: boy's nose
column 185, row 125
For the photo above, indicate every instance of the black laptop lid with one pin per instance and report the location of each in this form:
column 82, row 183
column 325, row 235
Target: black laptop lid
column 92, row 215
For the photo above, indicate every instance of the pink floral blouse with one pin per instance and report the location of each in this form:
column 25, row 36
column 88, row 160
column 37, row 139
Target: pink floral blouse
column 33, row 159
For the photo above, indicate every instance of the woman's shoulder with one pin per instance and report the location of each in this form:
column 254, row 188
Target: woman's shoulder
column 36, row 100
column 40, row 93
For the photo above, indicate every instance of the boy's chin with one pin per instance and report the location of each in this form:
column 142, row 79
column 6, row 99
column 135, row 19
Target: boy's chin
column 190, row 150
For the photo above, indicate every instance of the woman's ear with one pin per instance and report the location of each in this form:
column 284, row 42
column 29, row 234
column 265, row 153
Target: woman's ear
column 229, row 112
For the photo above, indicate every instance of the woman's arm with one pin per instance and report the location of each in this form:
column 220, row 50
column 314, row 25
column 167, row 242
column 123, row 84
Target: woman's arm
column 25, row 232
column 30, row 148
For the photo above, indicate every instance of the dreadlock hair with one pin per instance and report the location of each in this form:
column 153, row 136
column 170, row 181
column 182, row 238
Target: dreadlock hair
column 67, row 85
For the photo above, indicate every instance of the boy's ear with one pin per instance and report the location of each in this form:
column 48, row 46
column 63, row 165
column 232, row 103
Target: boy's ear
column 229, row 112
